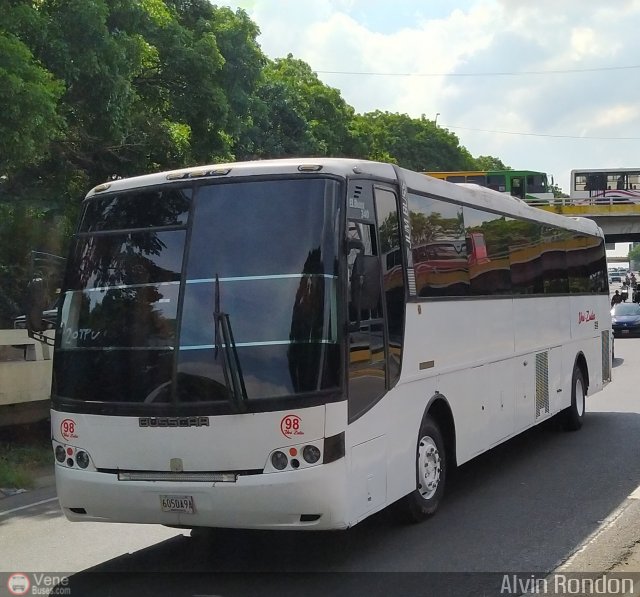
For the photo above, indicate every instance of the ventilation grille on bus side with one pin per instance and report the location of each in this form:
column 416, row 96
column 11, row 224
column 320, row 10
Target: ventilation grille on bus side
column 542, row 384
column 357, row 191
column 606, row 363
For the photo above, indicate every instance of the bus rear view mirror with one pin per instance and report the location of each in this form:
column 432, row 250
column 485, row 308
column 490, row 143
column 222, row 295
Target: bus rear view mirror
column 36, row 302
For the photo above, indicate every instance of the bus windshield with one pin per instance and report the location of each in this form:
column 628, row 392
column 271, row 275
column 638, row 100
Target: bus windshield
column 150, row 271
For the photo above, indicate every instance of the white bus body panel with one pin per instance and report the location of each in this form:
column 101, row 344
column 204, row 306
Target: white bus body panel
column 485, row 371
column 273, row 499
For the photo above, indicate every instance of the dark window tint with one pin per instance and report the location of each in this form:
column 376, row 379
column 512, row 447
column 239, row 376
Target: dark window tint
column 367, row 362
column 126, row 259
column 140, row 209
column 536, row 183
column 263, row 254
column 587, row 264
column 487, row 237
column 525, row 249
column 120, row 317
column 497, row 182
column 477, row 179
column 141, row 376
column 277, row 227
column 554, row 260
column 439, row 247
column 455, row 178
column 392, row 276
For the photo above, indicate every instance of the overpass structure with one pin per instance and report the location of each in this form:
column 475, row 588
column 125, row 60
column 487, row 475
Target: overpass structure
column 619, row 221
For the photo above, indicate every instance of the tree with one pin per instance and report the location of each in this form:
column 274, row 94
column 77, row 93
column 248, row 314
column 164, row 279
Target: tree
column 29, row 97
column 414, row 143
column 488, row 162
column 297, row 114
column 634, row 257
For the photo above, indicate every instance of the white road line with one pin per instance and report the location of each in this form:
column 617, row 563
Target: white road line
column 5, row 512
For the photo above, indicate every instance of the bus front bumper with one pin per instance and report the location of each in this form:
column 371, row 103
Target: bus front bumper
column 314, row 498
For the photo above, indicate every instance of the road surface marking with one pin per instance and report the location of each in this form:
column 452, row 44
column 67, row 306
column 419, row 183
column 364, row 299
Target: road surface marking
column 5, row 512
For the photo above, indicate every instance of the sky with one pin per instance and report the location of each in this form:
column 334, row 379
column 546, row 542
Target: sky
column 548, row 85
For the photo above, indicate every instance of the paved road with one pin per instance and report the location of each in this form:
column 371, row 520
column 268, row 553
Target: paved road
column 524, row 507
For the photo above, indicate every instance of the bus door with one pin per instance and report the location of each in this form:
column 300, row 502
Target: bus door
column 375, row 296
column 518, row 184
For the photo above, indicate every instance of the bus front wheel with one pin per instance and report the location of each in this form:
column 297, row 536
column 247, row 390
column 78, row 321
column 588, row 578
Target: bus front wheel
column 573, row 416
column 431, row 468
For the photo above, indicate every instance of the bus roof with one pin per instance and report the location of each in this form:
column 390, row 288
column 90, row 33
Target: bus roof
column 339, row 166
column 465, row 194
column 603, row 170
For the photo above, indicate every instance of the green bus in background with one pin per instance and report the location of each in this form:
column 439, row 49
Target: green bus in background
column 528, row 185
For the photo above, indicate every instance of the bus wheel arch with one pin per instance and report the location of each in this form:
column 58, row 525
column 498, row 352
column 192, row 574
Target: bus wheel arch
column 435, row 457
column 441, row 413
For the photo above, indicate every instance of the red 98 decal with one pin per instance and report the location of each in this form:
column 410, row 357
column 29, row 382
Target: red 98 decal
column 291, row 425
column 68, row 429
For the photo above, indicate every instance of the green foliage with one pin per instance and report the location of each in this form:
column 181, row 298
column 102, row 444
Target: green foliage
column 29, row 96
column 296, row 114
column 634, row 254
column 558, row 193
column 113, row 88
column 413, row 143
column 488, row 162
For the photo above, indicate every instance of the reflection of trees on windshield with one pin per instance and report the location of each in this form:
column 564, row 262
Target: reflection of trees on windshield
column 122, row 259
column 126, row 317
column 143, row 209
column 307, row 325
column 502, row 234
column 428, row 228
column 389, row 233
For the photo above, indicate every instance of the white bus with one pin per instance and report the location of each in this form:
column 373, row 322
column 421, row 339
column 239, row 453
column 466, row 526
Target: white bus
column 606, row 185
column 232, row 352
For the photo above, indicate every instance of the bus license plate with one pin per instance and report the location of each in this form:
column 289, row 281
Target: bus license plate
column 177, row 503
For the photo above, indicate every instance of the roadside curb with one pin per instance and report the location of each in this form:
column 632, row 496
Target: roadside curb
column 613, row 549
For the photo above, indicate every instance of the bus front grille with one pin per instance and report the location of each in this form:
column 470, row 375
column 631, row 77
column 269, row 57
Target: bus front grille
column 177, row 476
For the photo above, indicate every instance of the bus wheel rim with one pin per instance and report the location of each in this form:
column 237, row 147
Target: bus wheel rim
column 428, row 467
column 579, row 392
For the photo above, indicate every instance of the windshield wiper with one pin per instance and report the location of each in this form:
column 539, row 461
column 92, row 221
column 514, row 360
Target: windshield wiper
column 233, row 378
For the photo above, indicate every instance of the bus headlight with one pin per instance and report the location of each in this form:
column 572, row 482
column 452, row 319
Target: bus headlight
column 311, row 454
column 82, row 459
column 279, row 460
column 60, row 453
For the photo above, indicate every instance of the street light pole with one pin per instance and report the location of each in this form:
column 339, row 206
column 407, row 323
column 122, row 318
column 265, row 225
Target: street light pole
column 435, row 122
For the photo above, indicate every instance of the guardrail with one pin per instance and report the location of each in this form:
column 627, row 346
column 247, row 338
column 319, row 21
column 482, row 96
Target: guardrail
column 25, row 378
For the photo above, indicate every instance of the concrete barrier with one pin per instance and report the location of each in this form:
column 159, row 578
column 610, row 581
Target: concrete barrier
column 25, row 378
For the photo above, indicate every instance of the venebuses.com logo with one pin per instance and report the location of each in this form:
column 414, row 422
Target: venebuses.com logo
column 18, row 584
column 38, row 583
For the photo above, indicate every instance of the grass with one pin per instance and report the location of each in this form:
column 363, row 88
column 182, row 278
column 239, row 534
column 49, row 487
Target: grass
column 24, row 451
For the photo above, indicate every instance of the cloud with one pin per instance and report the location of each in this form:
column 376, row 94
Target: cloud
column 473, row 37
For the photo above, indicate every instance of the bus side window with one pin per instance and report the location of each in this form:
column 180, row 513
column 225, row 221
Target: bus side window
column 367, row 363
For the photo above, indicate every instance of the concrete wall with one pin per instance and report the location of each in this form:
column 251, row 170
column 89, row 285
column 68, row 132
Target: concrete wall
column 25, row 378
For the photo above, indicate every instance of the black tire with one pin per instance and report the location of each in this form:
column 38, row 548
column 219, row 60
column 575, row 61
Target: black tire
column 431, row 469
column 573, row 417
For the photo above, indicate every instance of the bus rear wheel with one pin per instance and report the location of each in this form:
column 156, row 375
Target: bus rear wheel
column 431, row 470
column 573, row 417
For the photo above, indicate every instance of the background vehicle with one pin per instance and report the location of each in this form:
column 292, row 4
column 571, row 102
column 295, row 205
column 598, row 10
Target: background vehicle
column 606, row 185
column 263, row 345
column 528, row 185
column 625, row 319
